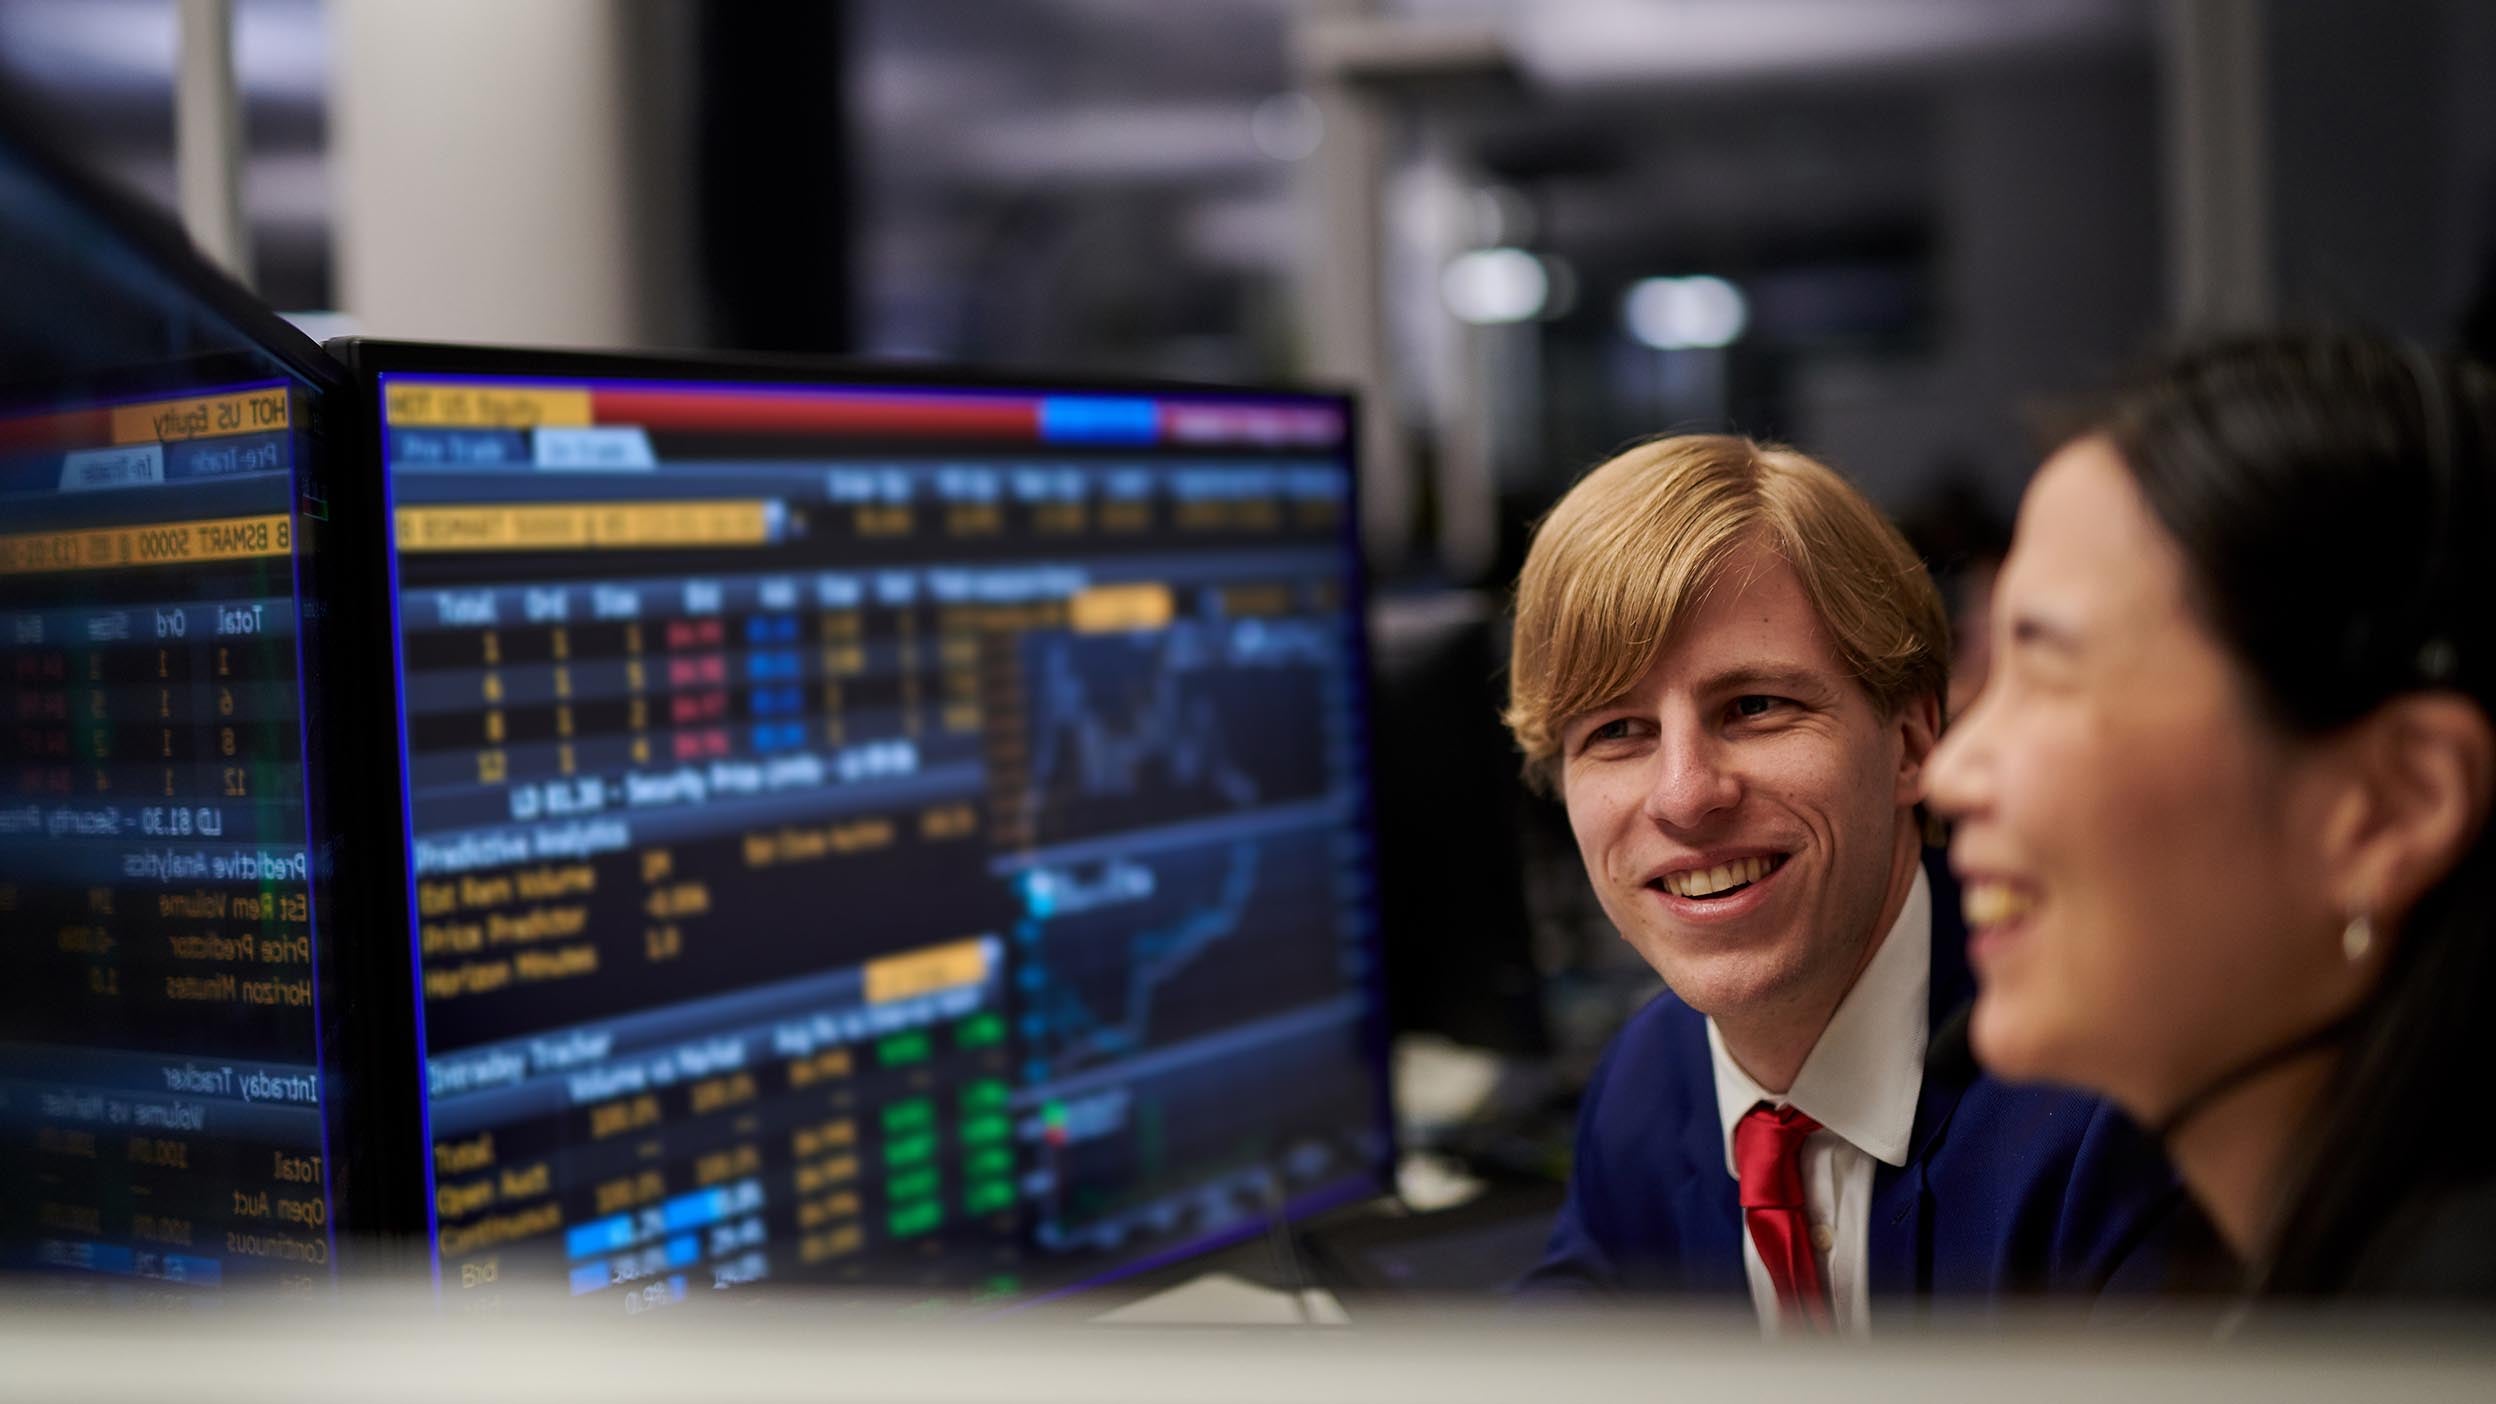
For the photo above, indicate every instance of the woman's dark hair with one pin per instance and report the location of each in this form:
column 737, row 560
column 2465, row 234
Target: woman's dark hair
column 2331, row 493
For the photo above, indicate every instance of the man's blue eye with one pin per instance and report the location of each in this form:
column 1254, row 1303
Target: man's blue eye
column 1753, row 705
column 1612, row 730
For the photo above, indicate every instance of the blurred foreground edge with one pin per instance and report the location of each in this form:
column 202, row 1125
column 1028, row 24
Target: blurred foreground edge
column 402, row 1346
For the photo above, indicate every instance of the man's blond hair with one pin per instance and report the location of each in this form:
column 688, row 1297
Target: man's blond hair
column 1634, row 548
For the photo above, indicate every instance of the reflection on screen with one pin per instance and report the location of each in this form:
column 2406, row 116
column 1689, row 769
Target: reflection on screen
column 907, row 838
column 164, row 1099
column 160, row 1086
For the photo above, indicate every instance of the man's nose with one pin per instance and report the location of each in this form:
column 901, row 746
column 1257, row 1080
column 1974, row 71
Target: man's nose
column 1693, row 781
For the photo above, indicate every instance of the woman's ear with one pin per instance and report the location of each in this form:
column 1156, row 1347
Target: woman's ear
column 2424, row 765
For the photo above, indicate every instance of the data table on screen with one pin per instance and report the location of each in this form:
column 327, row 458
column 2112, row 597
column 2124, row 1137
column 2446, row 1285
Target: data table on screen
column 868, row 835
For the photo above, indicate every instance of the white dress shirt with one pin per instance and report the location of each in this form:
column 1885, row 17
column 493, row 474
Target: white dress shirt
column 1860, row 1083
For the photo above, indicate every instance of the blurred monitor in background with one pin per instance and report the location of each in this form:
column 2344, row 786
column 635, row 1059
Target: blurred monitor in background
column 1459, row 947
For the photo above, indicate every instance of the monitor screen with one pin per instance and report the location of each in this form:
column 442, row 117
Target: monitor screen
column 875, row 833
column 162, row 1085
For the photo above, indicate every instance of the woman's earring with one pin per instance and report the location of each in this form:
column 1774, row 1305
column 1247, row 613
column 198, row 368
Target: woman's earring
column 2357, row 938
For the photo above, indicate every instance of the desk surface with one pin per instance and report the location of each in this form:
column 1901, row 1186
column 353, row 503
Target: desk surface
column 388, row 1349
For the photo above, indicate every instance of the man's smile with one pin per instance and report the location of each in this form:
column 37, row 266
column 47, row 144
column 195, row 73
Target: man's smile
column 1714, row 877
column 1719, row 887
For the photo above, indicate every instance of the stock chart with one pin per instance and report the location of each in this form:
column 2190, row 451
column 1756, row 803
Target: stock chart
column 898, row 836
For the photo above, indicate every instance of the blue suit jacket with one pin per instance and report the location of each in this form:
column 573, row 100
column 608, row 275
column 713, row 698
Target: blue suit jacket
column 2006, row 1190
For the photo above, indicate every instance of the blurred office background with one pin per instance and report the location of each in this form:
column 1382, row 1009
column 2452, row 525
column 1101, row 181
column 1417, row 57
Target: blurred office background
column 1529, row 230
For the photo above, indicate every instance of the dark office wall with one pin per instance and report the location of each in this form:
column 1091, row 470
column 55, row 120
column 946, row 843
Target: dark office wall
column 2364, row 209
column 2047, row 255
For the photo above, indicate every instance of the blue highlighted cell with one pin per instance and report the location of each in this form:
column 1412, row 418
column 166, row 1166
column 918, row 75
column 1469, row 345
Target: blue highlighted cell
column 779, row 736
column 771, row 628
column 466, row 448
column 1099, row 419
column 776, row 701
column 773, row 666
column 598, row 1236
column 590, row 1277
column 684, row 1251
column 696, row 1210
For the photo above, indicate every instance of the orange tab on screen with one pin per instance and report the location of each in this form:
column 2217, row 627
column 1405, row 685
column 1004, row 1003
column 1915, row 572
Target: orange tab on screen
column 199, row 417
column 438, row 405
column 1117, row 609
column 927, row 970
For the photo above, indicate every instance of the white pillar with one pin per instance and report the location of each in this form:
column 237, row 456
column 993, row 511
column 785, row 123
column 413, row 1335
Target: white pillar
column 1354, row 60
column 1459, row 363
column 1348, row 337
column 208, row 135
column 482, row 166
column 2217, row 165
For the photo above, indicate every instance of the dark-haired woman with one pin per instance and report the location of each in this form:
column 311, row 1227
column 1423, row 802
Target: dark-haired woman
column 2222, row 812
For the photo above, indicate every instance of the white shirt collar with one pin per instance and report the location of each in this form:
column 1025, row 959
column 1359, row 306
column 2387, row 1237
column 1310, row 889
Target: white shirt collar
column 1862, row 1078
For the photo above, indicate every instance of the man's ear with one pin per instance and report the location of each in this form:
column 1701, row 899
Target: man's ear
column 1919, row 730
column 2422, row 766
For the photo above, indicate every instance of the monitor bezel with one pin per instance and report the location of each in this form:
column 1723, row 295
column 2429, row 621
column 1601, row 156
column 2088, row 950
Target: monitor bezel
column 161, row 241
column 367, row 504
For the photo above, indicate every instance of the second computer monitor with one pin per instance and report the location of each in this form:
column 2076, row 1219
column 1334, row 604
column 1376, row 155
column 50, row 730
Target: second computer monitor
column 169, row 1019
column 870, row 832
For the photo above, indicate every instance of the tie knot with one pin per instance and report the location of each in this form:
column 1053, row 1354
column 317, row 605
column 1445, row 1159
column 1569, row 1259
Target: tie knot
column 1768, row 1156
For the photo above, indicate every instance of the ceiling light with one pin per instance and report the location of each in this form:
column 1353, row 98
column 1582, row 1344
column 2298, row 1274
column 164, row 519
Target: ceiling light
column 1492, row 286
column 1680, row 314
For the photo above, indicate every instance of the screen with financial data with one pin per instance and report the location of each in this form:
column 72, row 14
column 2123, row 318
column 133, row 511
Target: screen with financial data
column 167, row 1098
column 162, row 1079
column 876, row 834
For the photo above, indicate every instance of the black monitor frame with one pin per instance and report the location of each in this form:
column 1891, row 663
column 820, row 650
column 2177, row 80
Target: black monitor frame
column 391, row 1141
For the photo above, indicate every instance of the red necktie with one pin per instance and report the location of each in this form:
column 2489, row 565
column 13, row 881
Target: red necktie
column 1768, row 1158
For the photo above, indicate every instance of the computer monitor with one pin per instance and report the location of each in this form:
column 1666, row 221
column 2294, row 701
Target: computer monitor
column 864, row 828
column 163, row 970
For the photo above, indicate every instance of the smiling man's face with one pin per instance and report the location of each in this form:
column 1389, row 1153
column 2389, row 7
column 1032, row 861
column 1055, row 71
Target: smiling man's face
column 1744, row 810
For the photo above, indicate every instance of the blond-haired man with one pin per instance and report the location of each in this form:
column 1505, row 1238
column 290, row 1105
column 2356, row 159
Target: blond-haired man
column 1730, row 669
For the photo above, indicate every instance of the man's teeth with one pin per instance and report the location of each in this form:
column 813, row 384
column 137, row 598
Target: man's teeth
column 1707, row 882
column 1991, row 903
